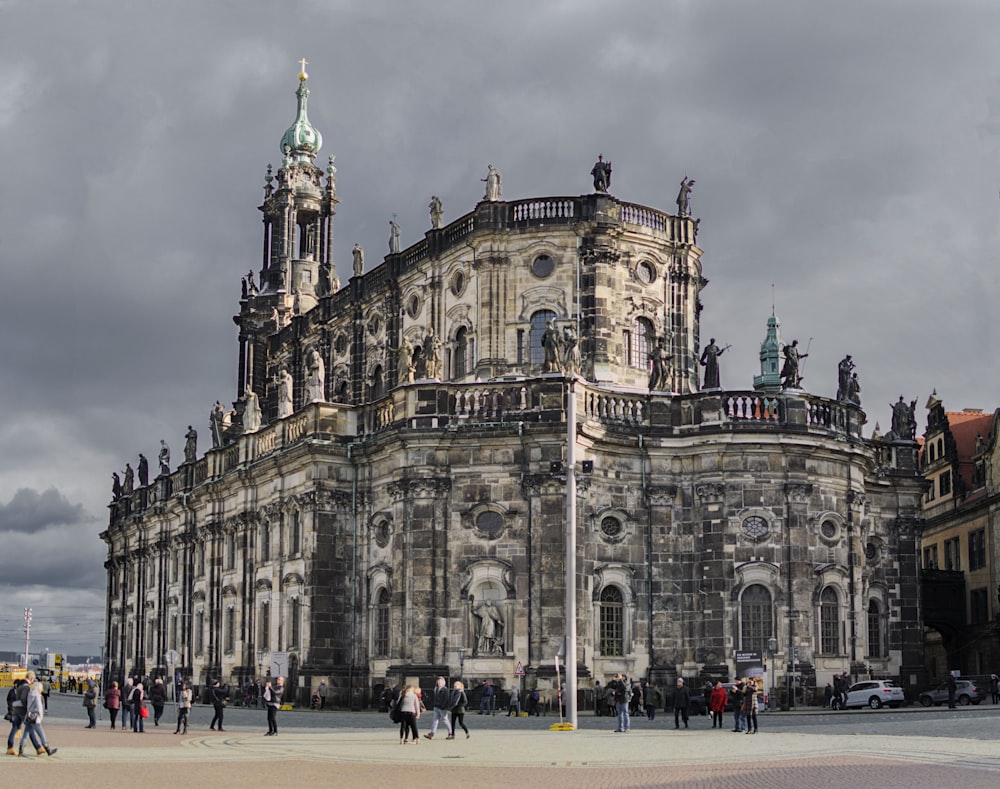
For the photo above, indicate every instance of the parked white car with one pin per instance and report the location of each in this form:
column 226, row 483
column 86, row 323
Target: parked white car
column 876, row 693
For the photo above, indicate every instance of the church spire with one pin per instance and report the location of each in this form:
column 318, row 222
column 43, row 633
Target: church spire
column 301, row 141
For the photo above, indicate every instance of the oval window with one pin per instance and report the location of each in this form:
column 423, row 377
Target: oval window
column 543, row 266
column 489, row 522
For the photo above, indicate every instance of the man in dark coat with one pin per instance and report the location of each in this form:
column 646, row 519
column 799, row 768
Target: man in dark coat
column 682, row 704
column 219, row 697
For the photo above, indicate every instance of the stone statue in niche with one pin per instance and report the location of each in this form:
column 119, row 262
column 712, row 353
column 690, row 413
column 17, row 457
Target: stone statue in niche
column 251, row 412
column 551, row 342
column 317, row 377
column 164, row 458
column 602, row 174
column 405, row 356
column 489, row 635
column 570, row 351
column 432, row 354
column 285, row 389
column 437, row 212
column 659, row 374
column 494, row 184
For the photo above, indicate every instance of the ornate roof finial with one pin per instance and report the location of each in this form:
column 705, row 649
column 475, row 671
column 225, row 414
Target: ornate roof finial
column 303, row 76
column 302, row 140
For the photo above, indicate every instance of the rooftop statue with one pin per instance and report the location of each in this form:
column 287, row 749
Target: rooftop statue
column 143, row 470
column 359, row 260
column 602, row 174
column 710, row 361
column 437, row 212
column 190, row 445
column 790, row 376
column 659, row 373
column 494, row 184
column 844, row 369
column 251, row 412
column 393, row 237
column 684, row 197
column 164, row 458
column 285, row 389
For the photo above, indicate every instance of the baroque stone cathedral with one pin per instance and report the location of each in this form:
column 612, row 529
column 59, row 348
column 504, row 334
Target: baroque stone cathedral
column 386, row 500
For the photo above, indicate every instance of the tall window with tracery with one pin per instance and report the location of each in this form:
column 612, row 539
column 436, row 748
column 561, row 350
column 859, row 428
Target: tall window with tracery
column 756, row 619
column 875, row 637
column 381, row 640
column 536, row 351
column 643, row 340
column 612, row 631
column 461, row 353
column 829, row 622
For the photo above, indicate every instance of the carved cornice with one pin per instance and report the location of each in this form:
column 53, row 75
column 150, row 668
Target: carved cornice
column 542, row 485
column 419, row 487
column 798, row 492
column 660, row 495
column 710, row 492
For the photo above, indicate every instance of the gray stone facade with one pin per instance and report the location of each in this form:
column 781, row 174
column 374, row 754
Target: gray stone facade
column 397, row 530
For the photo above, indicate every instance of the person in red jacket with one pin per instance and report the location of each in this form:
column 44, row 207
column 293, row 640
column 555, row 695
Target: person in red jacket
column 717, row 704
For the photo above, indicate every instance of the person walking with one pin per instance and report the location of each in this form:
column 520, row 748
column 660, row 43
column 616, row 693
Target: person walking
column 409, row 713
column 717, row 704
column 219, row 697
column 442, row 709
column 158, row 698
column 272, row 700
column 995, row 688
column 952, row 688
column 136, row 701
column 18, row 704
column 651, row 700
column 113, row 702
column 460, row 703
column 514, row 704
column 682, row 704
column 35, row 711
column 90, row 704
column 486, row 701
column 322, row 690
column 183, row 708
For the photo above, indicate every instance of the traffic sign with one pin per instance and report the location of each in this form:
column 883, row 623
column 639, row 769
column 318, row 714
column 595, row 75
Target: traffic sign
column 519, row 671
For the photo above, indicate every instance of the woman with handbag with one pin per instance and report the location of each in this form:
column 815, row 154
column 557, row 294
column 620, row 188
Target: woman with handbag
column 33, row 723
column 139, row 707
column 113, row 702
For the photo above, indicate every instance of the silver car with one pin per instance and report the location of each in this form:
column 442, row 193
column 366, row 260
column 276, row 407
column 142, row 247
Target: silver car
column 875, row 693
column 966, row 692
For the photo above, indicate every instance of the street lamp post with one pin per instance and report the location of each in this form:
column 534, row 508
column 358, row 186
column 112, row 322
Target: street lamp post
column 772, row 647
column 461, row 663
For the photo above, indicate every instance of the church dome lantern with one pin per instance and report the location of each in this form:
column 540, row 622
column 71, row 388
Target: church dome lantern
column 301, row 141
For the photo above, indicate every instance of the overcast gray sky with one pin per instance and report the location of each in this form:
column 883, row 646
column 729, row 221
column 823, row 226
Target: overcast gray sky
column 843, row 152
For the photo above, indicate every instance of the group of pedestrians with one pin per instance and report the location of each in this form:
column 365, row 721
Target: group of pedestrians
column 449, row 708
column 25, row 711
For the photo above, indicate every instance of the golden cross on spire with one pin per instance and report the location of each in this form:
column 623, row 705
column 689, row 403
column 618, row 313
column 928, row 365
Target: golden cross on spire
column 302, row 74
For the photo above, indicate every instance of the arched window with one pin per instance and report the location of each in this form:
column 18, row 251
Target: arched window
column 536, row 351
column 756, row 619
column 293, row 622
column 199, row 632
column 876, row 647
column 264, row 639
column 265, row 541
column 612, row 632
column 294, row 534
column 829, row 622
column 230, row 550
column 461, row 353
column 231, row 629
column 377, row 386
column 381, row 640
column 643, row 340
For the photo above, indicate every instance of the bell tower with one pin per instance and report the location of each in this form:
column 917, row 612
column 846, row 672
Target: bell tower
column 296, row 270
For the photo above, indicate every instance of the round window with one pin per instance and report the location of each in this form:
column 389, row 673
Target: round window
column 611, row 527
column 645, row 272
column 458, row 283
column 828, row 529
column 340, row 344
column 754, row 527
column 489, row 522
column 543, row 266
column 374, row 325
column 382, row 534
column 413, row 306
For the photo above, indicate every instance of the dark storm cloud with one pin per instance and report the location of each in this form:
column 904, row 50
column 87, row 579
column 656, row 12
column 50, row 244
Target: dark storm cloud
column 845, row 153
column 30, row 511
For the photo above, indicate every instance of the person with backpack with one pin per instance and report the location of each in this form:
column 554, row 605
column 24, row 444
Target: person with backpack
column 35, row 711
column 487, row 699
column 136, row 707
column 17, row 709
column 534, row 699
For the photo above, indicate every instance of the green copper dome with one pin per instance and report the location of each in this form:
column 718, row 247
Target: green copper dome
column 302, row 141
